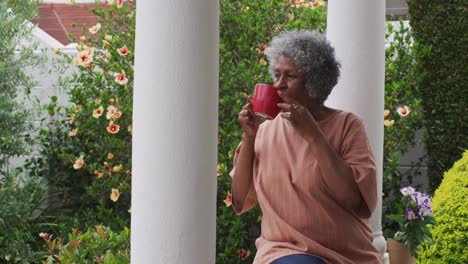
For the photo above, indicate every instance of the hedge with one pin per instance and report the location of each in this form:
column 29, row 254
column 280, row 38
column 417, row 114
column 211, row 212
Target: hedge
column 439, row 28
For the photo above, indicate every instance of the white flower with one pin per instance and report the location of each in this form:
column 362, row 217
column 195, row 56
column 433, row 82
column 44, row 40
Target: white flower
column 94, row 29
column 407, row 191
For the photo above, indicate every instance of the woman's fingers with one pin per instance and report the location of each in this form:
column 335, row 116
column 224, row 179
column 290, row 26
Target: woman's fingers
column 287, row 107
column 250, row 105
column 286, row 115
column 290, row 107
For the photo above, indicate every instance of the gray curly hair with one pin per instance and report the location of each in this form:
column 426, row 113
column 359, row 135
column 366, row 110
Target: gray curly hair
column 314, row 57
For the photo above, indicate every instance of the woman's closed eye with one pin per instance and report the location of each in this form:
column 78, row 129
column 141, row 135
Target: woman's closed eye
column 287, row 77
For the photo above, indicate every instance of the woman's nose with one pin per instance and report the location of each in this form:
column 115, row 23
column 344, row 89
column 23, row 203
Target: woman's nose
column 280, row 84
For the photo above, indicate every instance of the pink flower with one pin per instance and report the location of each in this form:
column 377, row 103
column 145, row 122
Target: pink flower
column 403, row 111
column 317, row 3
column 45, row 236
column 120, row 78
column 77, row 108
column 389, row 123
column 114, row 195
column 123, row 51
column 98, row 174
column 79, row 162
column 73, row 132
column 113, row 128
column 109, row 45
column 94, row 29
column 386, row 113
column 111, row 111
column 117, row 169
column 84, row 57
column 107, row 168
column 228, row 200
column 119, row 3
column 261, row 49
column 117, row 115
column 244, row 254
column 72, row 118
column 98, row 112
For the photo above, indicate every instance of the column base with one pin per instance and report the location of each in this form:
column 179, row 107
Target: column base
column 380, row 244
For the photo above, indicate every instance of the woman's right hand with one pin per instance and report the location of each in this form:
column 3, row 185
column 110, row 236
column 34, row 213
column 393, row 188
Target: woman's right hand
column 247, row 119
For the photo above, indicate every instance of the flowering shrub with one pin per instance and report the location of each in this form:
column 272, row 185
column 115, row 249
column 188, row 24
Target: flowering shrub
column 414, row 215
column 88, row 145
column 96, row 245
column 246, row 27
column 402, row 117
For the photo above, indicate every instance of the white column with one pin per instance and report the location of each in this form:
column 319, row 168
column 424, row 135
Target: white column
column 357, row 31
column 175, row 124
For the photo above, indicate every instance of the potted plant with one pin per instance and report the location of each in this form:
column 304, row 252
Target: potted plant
column 413, row 217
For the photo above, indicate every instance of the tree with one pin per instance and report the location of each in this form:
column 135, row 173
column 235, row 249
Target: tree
column 14, row 56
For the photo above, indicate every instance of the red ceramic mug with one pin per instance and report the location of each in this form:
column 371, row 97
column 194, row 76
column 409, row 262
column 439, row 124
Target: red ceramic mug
column 265, row 101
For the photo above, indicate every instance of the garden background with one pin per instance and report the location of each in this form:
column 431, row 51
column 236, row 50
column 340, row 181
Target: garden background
column 74, row 187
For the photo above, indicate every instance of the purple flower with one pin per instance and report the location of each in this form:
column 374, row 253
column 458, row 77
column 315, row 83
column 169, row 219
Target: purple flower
column 424, row 211
column 415, row 197
column 407, row 191
column 425, row 208
column 410, row 215
column 426, row 201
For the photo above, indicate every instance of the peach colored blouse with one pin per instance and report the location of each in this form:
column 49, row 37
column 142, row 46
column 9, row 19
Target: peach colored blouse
column 304, row 208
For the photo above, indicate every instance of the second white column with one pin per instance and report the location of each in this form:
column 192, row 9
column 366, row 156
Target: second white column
column 357, row 31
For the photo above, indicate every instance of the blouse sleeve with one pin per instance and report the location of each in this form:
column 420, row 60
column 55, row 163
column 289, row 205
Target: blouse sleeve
column 251, row 199
column 357, row 153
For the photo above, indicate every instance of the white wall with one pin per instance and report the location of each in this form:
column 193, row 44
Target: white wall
column 46, row 73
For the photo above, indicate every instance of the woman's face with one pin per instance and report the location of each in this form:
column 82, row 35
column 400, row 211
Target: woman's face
column 289, row 80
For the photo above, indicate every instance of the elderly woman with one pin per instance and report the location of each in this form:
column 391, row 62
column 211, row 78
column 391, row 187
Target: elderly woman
column 311, row 168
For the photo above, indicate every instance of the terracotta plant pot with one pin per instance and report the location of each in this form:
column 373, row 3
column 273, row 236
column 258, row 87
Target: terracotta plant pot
column 398, row 253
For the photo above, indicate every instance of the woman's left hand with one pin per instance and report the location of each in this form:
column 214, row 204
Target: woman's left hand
column 299, row 117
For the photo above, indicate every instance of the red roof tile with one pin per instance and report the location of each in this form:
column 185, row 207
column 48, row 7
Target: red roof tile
column 57, row 19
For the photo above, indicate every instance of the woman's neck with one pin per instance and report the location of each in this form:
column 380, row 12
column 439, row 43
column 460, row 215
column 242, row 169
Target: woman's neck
column 318, row 110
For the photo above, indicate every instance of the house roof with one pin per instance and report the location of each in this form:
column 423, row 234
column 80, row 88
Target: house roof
column 57, row 20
